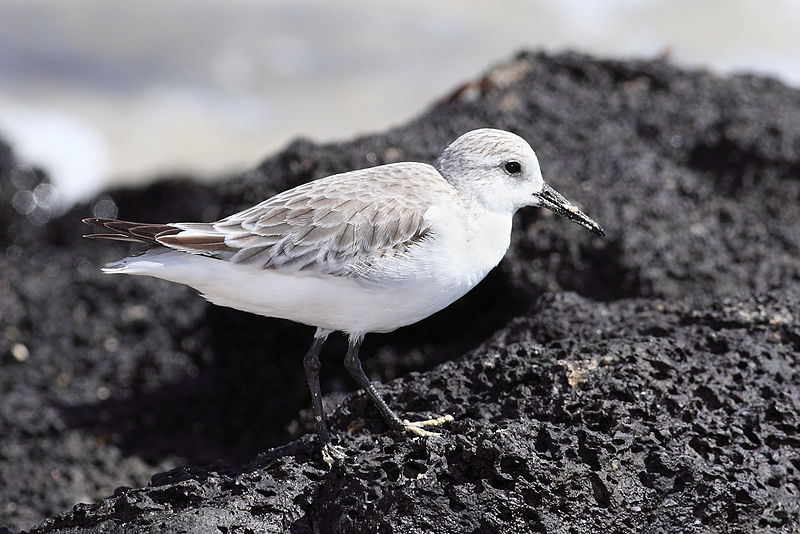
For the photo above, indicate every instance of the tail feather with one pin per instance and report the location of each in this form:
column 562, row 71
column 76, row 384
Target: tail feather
column 148, row 262
column 114, row 237
column 130, row 231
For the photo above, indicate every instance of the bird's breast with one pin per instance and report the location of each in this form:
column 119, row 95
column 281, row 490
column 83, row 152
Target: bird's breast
column 470, row 245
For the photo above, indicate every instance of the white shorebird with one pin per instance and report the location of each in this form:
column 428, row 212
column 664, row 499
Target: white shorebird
column 364, row 251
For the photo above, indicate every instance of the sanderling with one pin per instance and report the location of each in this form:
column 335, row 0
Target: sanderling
column 365, row 251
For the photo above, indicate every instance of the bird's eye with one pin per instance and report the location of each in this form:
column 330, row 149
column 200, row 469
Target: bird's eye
column 513, row 167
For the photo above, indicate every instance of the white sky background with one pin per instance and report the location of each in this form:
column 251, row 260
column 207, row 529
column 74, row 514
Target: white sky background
column 98, row 91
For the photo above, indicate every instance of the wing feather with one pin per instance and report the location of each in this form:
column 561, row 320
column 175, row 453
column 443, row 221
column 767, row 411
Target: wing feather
column 340, row 225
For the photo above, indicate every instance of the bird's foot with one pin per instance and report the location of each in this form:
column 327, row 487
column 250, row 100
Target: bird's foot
column 418, row 427
column 331, row 454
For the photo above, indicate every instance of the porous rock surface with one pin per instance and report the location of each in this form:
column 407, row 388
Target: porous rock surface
column 643, row 382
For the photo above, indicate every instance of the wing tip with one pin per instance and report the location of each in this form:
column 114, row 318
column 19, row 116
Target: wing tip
column 129, row 231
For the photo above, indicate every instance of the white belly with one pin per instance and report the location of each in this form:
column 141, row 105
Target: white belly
column 329, row 302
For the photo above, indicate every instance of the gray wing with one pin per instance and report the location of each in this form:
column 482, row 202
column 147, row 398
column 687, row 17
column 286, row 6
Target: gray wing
column 339, row 225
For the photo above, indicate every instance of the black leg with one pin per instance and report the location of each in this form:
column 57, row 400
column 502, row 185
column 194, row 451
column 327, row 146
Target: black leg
column 353, row 365
column 312, row 366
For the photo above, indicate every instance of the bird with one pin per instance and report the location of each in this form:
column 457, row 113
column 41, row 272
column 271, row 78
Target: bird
column 364, row 251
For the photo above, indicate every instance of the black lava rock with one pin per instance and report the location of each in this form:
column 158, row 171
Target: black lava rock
column 652, row 386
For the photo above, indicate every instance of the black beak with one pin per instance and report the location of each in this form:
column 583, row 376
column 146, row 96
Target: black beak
column 551, row 199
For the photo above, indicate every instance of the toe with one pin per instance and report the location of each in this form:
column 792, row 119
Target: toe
column 418, row 427
column 331, row 454
column 415, row 428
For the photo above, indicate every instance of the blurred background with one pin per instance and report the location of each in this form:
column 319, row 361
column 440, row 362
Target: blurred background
column 101, row 92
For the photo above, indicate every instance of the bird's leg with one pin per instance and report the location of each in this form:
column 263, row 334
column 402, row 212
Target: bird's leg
column 353, row 365
column 330, row 453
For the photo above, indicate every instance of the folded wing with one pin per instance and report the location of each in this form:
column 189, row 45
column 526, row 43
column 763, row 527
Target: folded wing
column 341, row 225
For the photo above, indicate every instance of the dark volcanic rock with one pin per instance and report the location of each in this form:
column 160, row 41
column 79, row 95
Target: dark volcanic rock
column 650, row 414
column 662, row 394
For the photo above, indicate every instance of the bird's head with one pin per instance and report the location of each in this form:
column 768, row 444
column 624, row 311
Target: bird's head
column 500, row 171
